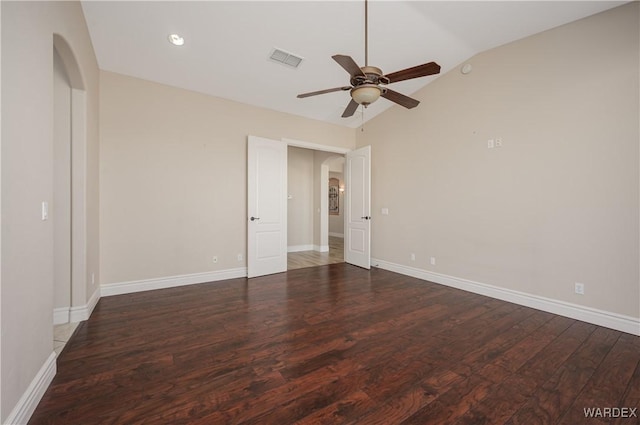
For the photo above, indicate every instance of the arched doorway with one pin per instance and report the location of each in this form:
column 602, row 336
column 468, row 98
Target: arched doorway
column 69, row 181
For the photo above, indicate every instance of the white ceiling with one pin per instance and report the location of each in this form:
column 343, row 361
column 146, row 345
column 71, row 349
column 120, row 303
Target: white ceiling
column 228, row 43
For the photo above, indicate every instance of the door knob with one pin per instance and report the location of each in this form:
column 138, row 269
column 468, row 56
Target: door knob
column 366, row 217
column 254, row 218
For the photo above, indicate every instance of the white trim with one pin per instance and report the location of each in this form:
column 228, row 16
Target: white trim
column 27, row 404
column 586, row 314
column 80, row 313
column 109, row 289
column 321, row 248
column 60, row 315
column 315, row 146
column 298, row 248
column 336, row 235
column 76, row 314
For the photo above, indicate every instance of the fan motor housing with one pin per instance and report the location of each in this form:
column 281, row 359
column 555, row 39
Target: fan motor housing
column 373, row 76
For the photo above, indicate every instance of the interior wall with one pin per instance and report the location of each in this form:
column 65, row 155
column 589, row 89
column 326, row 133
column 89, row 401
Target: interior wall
column 336, row 222
column 321, row 199
column 61, row 205
column 300, row 205
column 173, row 183
column 557, row 203
column 27, row 171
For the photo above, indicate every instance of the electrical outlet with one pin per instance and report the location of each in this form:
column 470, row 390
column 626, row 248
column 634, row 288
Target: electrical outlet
column 215, row 258
column 413, row 257
column 239, row 257
column 433, row 261
column 579, row 288
column 93, row 278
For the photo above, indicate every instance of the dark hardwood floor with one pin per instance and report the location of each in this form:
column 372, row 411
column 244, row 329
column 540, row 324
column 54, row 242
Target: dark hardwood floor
column 336, row 345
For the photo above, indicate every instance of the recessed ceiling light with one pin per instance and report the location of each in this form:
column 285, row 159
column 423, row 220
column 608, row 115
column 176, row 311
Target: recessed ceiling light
column 176, row 39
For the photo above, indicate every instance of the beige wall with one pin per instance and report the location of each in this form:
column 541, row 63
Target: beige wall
column 27, row 170
column 321, row 161
column 336, row 222
column 173, row 176
column 61, row 202
column 300, row 207
column 558, row 203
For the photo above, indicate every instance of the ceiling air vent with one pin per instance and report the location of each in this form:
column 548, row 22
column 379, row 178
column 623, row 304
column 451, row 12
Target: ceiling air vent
column 285, row 58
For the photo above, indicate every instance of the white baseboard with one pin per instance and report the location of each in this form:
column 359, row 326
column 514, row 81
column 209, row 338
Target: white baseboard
column 80, row 313
column 76, row 314
column 298, row 248
column 109, row 289
column 60, row 315
column 337, row 235
column 321, row 248
column 607, row 319
column 27, row 404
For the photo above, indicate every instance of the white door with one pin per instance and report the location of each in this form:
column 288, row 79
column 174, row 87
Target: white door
column 357, row 249
column 266, row 207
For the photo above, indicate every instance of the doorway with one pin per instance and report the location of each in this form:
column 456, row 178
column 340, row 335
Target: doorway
column 69, row 201
column 267, row 192
column 315, row 205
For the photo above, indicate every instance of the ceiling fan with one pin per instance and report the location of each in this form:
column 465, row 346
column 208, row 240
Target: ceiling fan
column 366, row 81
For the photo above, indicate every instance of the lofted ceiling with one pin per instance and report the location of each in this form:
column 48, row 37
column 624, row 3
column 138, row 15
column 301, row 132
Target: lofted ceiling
column 228, row 43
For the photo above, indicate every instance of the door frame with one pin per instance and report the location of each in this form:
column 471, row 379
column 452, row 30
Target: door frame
column 324, row 189
column 317, row 147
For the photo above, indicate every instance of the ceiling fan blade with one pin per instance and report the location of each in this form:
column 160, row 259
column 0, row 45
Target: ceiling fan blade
column 350, row 109
column 400, row 99
column 314, row 93
column 349, row 65
column 414, row 72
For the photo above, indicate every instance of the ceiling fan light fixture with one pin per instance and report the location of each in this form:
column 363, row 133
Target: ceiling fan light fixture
column 366, row 94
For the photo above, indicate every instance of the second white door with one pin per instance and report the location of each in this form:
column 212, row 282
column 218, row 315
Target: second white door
column 357, row 244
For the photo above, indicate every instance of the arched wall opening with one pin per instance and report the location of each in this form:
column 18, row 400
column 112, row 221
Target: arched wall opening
column 76, row 197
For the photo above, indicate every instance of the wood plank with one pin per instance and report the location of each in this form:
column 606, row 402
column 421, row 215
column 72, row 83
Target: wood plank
column 332, row 344
column 405, row 403
column 631, row 398
column 550, row 402
column 516, row 356
column 608, row 384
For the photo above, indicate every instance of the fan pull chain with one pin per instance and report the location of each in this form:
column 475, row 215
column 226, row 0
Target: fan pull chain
column 362, row 120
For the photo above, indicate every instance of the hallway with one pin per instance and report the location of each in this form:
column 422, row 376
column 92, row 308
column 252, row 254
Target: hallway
column 299, row 260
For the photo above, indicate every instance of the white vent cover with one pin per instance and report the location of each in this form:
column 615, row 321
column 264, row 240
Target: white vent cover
column 286, row 58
